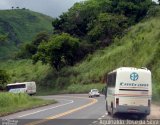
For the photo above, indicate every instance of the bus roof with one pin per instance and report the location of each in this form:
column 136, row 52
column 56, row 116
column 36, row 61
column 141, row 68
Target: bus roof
column 129, row 69
column 20, row 83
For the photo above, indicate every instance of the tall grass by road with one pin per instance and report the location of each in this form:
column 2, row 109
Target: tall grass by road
column 10, row 103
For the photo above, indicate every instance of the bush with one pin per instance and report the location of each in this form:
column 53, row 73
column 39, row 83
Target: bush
column 79, row 88
column 4, row 78
column 154, row 11
column 59, row 51
column 156, row 92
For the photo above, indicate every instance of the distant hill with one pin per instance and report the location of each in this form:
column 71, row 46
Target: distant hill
column 21, row 25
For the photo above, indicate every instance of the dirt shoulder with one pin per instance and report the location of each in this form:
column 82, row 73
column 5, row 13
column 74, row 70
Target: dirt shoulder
column 155, row 112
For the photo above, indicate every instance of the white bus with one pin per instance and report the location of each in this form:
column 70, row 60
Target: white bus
column 24, row 87
column 129, row 90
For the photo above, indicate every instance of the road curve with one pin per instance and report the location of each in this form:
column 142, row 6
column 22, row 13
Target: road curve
column 71, row 109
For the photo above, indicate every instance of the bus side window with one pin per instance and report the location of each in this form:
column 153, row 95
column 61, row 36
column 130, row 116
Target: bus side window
column 111, row 80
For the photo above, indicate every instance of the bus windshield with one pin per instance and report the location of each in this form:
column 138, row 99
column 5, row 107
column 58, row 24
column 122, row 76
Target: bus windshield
column 16, row 86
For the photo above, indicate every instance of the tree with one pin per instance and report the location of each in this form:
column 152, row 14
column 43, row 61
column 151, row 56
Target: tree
column 75, row 21
column 135, row 10
column 28, row 50
column 4, row 78
column 99, row 21
column 107, row 26
column 58, row 52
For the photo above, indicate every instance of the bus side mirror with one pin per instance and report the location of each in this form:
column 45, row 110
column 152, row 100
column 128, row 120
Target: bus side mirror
column 105, row 92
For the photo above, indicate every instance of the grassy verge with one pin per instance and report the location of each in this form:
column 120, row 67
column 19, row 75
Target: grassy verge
column 11, row 103
column 71, row 89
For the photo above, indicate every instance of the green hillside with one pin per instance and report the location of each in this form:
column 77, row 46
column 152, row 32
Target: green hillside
column 21, row 25
column 140, row 47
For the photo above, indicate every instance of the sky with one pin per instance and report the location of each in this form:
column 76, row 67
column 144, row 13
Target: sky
column 53, row 8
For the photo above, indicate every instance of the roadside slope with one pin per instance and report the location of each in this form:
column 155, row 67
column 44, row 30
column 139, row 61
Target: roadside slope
column 140, row 47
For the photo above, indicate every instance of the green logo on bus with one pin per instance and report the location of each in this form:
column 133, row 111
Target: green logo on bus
column 134, row 76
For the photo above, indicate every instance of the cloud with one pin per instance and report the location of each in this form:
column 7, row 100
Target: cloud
column 4, row 4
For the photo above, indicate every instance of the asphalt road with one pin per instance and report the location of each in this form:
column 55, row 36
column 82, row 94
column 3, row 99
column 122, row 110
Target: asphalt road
column 70, row 110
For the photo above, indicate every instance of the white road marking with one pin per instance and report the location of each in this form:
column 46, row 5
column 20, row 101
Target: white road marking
column 71, row 101
column 94, row 122
column 103, row 116
column 99, row 118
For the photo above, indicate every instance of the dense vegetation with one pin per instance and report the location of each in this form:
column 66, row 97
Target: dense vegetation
column 100, row 19
column 107, row 34
column 18, row 26
column 94, row 23
column 16, row 102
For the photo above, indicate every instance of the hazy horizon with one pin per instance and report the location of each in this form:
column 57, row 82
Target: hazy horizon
column 53, row 8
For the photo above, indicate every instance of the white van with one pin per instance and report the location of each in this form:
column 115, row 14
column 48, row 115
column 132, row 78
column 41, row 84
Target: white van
column 24, row 87
column 129, row 90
